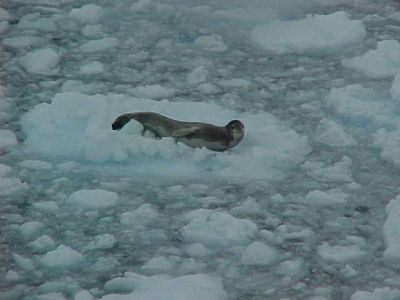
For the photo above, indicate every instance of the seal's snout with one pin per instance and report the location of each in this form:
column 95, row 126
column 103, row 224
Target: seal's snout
column 121, row 121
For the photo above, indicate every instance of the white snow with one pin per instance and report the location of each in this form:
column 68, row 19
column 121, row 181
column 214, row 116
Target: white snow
column 340, row 254
column 259, row 254
column 217, row 229
column 7, row 138
column 61, row 258
column 313, row 34
column 89, row 13
column 194, row 287
column 391, row 233
column 41, row 61
column 210, row 43
column 380, row 63
column 99, row 45
column 93, row 199
column 78, row 126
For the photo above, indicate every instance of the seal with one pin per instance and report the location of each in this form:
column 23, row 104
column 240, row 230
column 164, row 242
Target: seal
column 193, row 134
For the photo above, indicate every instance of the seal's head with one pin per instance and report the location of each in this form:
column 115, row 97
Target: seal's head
column 236, row 130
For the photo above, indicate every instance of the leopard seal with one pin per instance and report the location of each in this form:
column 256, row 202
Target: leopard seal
column 193, row 134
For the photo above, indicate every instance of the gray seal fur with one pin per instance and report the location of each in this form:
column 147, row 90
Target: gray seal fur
column 193, row 134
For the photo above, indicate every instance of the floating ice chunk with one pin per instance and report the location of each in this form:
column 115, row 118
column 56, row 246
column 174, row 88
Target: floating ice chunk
column 217, row 229
column 90, row 13
column 329, row 198
column 193, row 287
column 197, row 76
column 250, row 207
column 83, row 295
column 395, row 90
column 208, row 88
column 41, row 61
column 61, row 258
column 7, row 138
column 292, row 268
column 235, row 83
column 319, row 33
column 159, row 264
column 105, row 265
column 142, row 216
column 247, row 14
column 340, row 254
column 4, row 15
column 35, row 165
column 380, row 63
column 43, row 244
column 378, row 294
column 4, row 26
column 332, row 134
column 12, row 186
column 211, row 43
column 153, row 91
column 259, row 254
column 35, row 22
column 92, row 31
column 102, row 242
column 31, row 229
column 51, row 296
column 46, row 206
column 197, row 250
column 389, row 142
column 339, row 172
column 23, row 41
column 391, row 234
column 12, row 276
column 4, row 170
column 93, row 67
column 358, row 102
column 93, row 199
column 23, row 263
column 142, row 5
column 99, row 45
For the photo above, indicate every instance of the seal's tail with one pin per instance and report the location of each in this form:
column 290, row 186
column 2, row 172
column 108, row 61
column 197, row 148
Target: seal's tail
column 121, row 121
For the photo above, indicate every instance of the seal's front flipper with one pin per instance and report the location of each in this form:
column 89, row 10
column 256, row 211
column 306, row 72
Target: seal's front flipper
column 121, row 121
column 184, row 131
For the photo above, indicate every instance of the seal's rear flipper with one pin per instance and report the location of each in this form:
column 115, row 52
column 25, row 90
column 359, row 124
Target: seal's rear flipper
column 121, row 121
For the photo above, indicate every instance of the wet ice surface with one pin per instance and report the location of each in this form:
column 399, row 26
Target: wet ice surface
column 306, row 207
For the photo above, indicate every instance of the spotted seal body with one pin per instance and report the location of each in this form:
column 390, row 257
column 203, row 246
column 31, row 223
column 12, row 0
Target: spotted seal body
column 193, row 134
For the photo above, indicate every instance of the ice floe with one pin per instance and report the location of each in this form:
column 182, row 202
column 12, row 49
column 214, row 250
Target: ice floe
column 41, row 61
column 78, row 126
column 313, row 34
column 195, row 287
column 380, row 63
column 89, row 13
column 93, row 199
